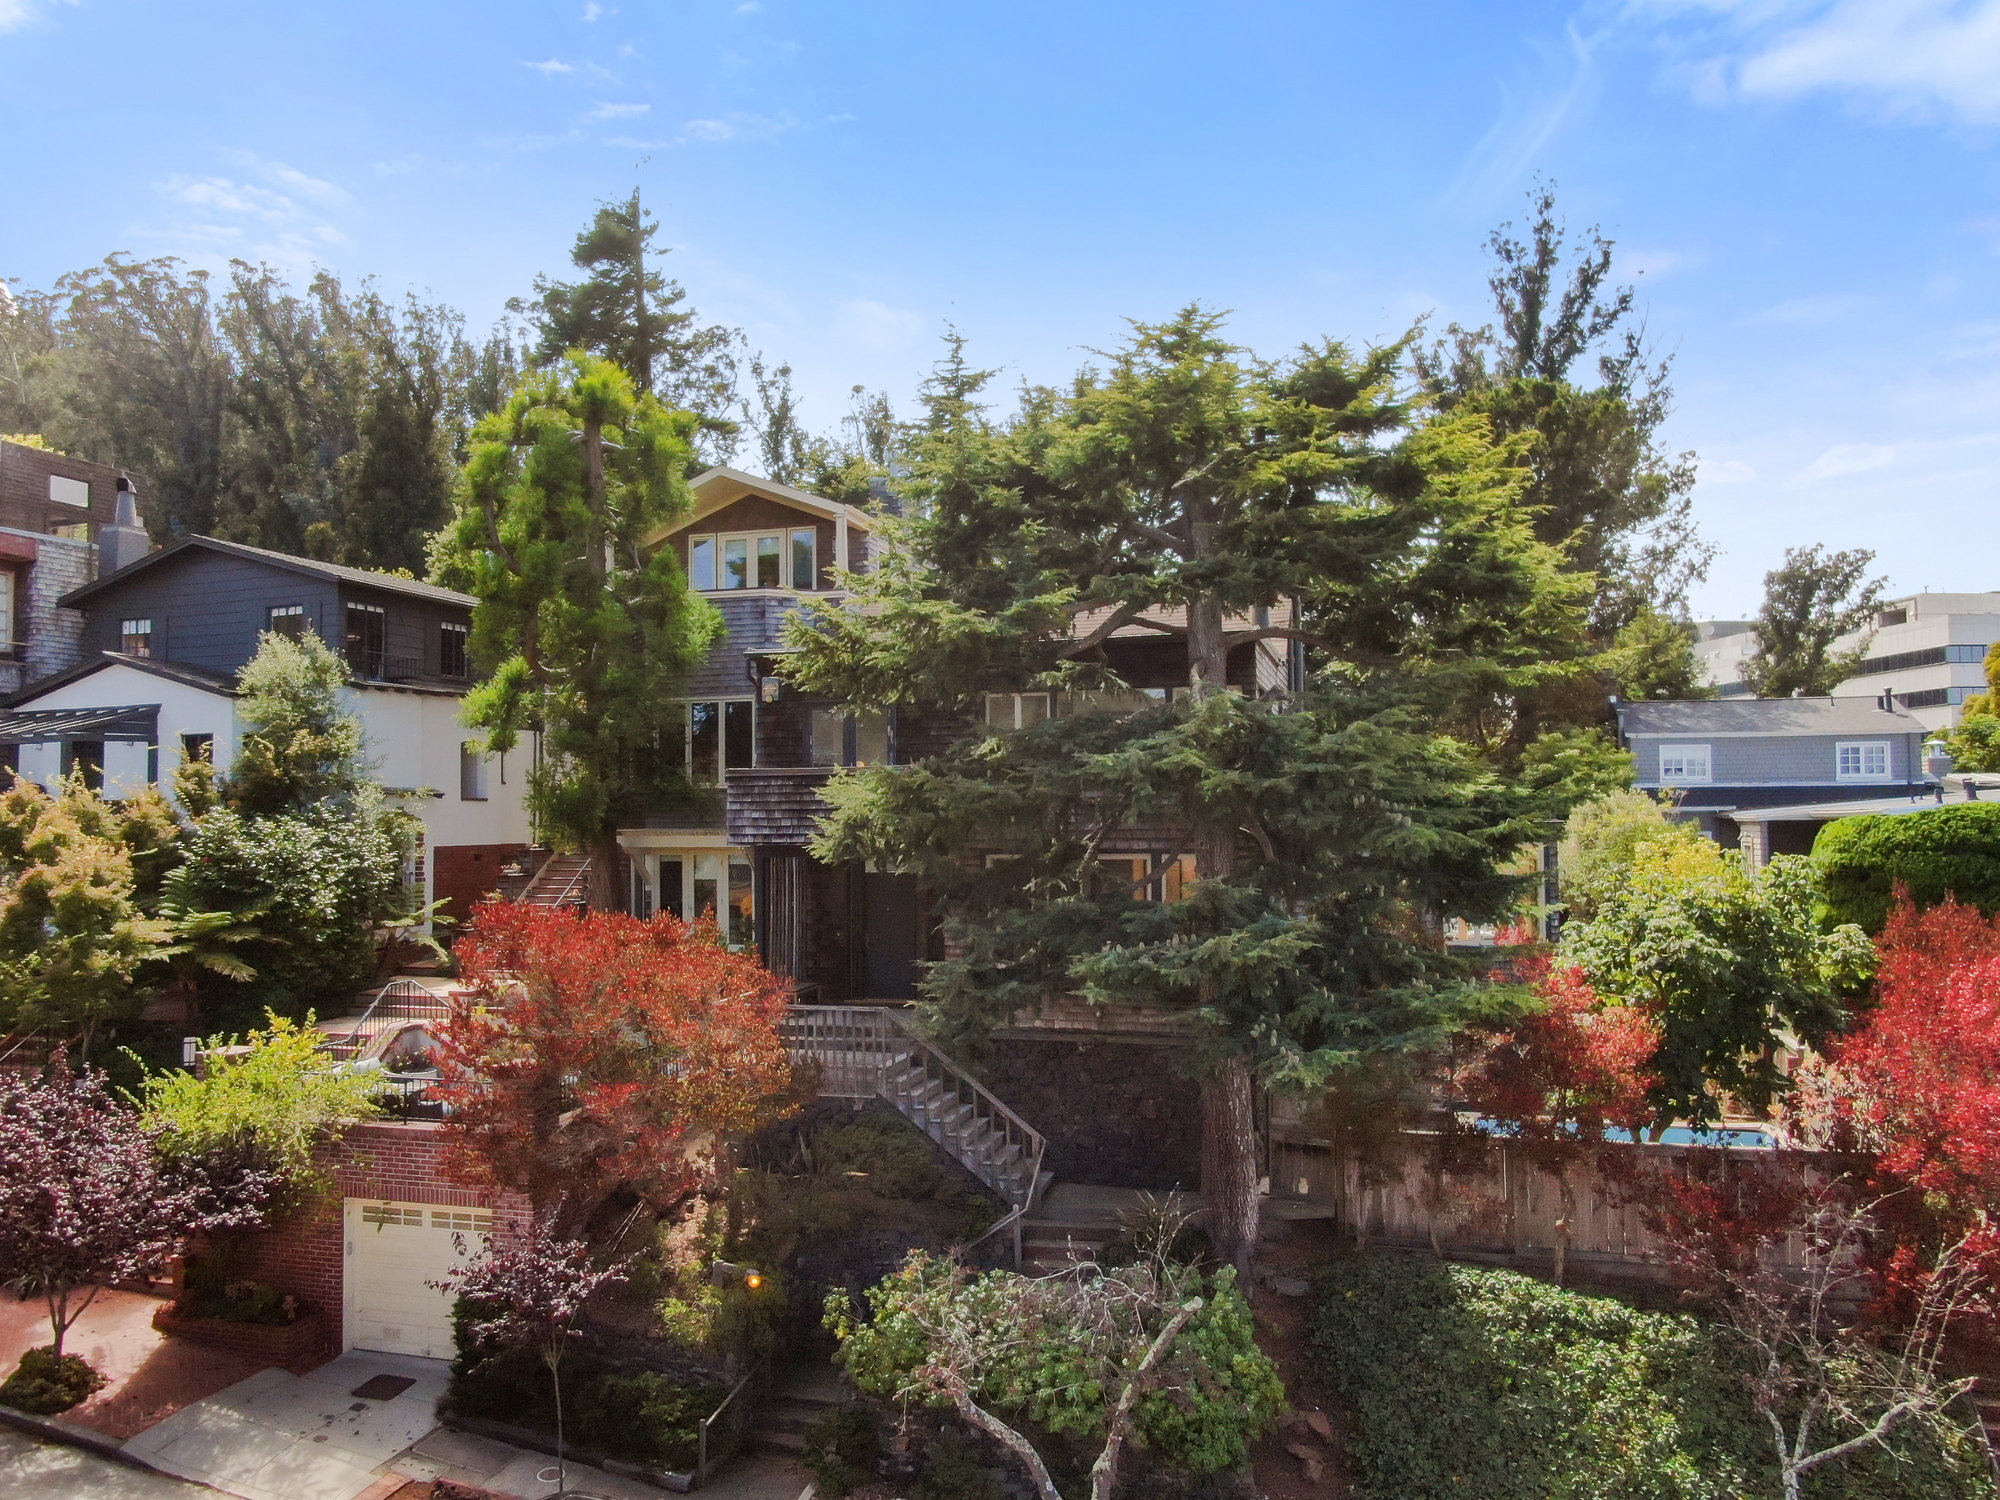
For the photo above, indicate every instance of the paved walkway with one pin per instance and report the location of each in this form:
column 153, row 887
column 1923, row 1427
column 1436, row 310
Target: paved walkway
column 50, row 1471
column 276, row 1436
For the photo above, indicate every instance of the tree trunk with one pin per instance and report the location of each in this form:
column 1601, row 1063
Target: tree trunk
column 1566, row 1197
column 1229, row 1163
column 607, row 882
column 1020, row 1447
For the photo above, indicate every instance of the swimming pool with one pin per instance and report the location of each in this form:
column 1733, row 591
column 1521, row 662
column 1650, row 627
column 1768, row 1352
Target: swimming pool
column 1730, row 1137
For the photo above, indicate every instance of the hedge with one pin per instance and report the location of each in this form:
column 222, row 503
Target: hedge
column 1464, row 1383
column 1939, row 852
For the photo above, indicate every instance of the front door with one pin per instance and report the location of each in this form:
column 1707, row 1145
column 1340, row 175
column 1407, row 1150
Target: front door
column 890, row 919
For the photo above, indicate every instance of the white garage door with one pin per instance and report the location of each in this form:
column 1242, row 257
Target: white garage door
column 393, row 1252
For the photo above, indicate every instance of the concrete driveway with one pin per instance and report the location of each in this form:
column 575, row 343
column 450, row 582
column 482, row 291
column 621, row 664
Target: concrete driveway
column 49, row 1471
column 277, row 1436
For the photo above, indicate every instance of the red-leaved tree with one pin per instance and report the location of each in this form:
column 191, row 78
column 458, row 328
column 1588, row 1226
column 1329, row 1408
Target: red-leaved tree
column 82, row 1198
column 594, row 1051
column 1565, row 1076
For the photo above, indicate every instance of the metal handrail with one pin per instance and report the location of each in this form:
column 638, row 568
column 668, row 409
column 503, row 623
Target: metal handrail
column 979, row 1089
column 404, row 989
column 1012, row 1219
column 702, row 1464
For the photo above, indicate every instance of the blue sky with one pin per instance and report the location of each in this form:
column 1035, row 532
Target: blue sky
column 1807, row 193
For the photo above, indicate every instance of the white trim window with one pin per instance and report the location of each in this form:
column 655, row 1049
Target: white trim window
column 732, row 560
column 692, row 883
column 1861, row 760
column 1685, row 765
column 721, row 737
column 135, row 637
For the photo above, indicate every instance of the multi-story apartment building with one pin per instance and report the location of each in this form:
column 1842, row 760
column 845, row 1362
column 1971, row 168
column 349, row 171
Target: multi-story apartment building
column 1928, row 650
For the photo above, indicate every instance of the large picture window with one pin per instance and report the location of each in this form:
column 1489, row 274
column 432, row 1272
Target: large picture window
column 693, row 883
column 453, row 658
column 754, row 560
column 721, row 737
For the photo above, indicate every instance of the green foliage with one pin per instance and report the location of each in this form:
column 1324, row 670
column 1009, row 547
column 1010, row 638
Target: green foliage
column 274, row 1090
column 314, row 883
column 45, row 1382
column 1975, row 740
column 72, row 929
column 242, row 1302
column 1653, row 657
column 1040, row 1365
column 1600, row 841
column 842, row 1448
column 953, row 1469
column 644, row 1416
column 301, row 745
column 1465, row 1382
column 1936, row 852
column 586, row 628
column 1726, row 961
column 1809, row 603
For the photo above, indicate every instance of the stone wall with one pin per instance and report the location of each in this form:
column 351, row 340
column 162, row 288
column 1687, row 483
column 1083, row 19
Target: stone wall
column 1115, row 1113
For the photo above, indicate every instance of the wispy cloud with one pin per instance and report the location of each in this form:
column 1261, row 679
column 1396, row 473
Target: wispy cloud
column 592, row 11
column 1843, row 459
column 269, row 210
column 1533, row 110
column 1725, row 471
column 1809, row 312
column 748, row 8
column 619, row 111
column 1922, row 58
column 17, row 13
column 876, row 325
column 721, row 129
column 551, row 67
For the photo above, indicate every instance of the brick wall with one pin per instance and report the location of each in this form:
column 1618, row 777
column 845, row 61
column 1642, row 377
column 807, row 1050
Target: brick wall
column 401, row 1162
column 466, row 874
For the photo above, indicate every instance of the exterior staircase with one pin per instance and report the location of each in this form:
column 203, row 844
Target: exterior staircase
column 870, row 1052
column 563, row 880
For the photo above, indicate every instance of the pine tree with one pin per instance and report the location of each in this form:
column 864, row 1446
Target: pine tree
column 1218, row 501
column 632, row 315
column 588, row 628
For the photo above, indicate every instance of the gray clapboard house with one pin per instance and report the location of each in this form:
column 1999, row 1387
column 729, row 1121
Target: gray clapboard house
column 1731, row 755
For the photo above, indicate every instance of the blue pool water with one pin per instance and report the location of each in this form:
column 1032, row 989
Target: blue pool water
column 1737, row 1138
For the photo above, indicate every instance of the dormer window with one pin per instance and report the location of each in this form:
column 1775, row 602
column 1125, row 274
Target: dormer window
column 135, row 637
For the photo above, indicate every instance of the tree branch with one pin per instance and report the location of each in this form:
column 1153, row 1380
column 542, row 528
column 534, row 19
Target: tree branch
column 1104, row 1473
column 1120, row 617
column 1019, row 1446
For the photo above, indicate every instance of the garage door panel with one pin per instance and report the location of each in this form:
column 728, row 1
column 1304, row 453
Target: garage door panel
column 392, row 1252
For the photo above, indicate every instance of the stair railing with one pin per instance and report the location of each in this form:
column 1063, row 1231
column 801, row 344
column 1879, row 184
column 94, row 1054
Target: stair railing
column 398, row 1000
column 870, row 1052
column 713, row 1446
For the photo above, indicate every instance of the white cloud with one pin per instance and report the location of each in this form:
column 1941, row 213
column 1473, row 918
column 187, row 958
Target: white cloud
column 1809, row 312
column 876, row 325
column 551, row 67
column 1531, row 114
column 592, row 11
column 1726, row 471
column 285, row 218
column 1925, row 58
column 17, row 13
column 748, row 8
column 737, row 127
column 1843, row 459
column 619, row 111
column 291, row 180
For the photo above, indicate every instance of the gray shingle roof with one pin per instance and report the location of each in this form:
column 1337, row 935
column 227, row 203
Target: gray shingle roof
column 386, row 582
column 1764, row 716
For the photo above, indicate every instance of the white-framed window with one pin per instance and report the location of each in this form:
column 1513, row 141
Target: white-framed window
column 6, row 609
column 1016, row 710
column 1861, row 760
column 287, row 619
column 135, row 637
column 1684, row 765
column 754, row 560
column 721, row 737
column 690, row 883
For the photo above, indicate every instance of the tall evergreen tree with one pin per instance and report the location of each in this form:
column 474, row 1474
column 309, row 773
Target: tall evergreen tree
column 631, row 314
column 1603, row 487
column 1220, row 501
column 1814, row 599
column 585, row 627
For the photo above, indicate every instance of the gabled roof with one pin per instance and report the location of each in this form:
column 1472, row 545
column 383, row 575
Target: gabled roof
column 172, row 671
column 1738, row 717
column 714, row 488
column 387, row 583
